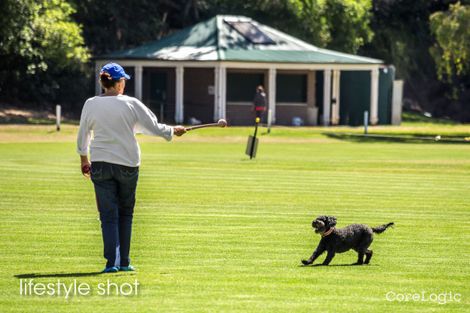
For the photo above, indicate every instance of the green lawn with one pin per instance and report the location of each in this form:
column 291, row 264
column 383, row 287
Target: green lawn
column 216, row 232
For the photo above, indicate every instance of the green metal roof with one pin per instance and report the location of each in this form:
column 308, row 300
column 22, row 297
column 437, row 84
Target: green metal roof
column 290, row 56
column 217, row 40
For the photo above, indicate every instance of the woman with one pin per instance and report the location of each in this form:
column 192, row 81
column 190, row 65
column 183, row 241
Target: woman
column 115, row 158
column 259, row 101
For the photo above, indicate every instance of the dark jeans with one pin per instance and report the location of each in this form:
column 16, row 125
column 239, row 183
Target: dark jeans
column 260, row 114
column 115, row 187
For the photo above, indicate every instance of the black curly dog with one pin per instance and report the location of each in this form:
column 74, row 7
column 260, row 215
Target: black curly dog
column 356, row 236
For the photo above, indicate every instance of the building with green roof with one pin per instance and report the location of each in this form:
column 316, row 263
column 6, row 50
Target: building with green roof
column 210, row 71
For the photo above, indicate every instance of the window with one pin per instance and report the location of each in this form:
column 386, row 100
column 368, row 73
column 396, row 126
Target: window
column 291, row 88
column 251, row 32
column 241, row 87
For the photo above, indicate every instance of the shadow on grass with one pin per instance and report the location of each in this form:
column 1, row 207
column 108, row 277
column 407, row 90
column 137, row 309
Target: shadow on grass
column 336, row 265
column 45, row 275
column 394, row 138
column 418, row 117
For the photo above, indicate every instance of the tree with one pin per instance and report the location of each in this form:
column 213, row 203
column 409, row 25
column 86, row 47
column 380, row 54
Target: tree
column 313, row 25
column 111, row 25
column 57, row 35
column 451, row 52
column 336, row 24
column 40, row 46
column 403, row 37
column 16, row 49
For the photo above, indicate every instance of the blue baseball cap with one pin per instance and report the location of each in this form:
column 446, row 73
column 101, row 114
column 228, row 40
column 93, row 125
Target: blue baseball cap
column 115, row 71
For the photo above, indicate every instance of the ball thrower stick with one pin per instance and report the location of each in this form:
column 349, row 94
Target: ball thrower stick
column 221, row 123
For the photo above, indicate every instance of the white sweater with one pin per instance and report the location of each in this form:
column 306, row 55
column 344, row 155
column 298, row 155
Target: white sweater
column 114, row 121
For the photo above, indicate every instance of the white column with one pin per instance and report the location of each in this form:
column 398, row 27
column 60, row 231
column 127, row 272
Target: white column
column 220, row 95
column 97, row 78
column 138, row 81
column 397, row 101
column 223, row 93
column 272, row 97
column 374, row 96
column 216, row 92
column 326, row 97
column 336, row 92
column 312, row 108
column 179, row 107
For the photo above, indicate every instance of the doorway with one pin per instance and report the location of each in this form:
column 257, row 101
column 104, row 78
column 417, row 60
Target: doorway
column 158, row 94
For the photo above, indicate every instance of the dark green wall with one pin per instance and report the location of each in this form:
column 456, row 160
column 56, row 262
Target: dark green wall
column 386, row 77
column 354, row 97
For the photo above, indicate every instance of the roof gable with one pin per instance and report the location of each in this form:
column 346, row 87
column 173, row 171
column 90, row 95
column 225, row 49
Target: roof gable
column 235, row 38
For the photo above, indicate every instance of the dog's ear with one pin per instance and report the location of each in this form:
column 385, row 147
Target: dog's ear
column 331, row 221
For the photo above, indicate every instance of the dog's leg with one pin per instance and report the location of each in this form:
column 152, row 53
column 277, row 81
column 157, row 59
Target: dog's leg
column 368, row 256
column 362, row 248
column 360, row 257
column 318, row 251
column 329, row 257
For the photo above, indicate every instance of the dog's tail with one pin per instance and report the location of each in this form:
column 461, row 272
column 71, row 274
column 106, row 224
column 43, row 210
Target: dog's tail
column 380, row 229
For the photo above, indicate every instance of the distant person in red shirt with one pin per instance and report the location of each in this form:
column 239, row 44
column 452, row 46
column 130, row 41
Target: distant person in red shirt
column 259, row 101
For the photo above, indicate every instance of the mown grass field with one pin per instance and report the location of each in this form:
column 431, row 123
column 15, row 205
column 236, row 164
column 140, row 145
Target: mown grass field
column 216, row 232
